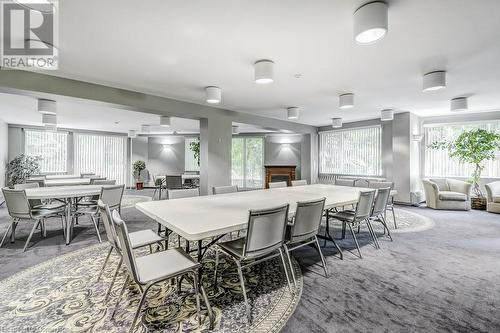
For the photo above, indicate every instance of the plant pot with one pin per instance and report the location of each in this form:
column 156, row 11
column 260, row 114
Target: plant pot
column 139, row 185
column 479, row 203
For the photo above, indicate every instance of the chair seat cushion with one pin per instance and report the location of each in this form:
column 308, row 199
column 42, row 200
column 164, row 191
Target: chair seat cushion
column 38, row 214
column 143, row 238
column 496, row 198
column 233, row 247
column 51, row 206
column 163, row 264
column 345, row 215
column 452, row 196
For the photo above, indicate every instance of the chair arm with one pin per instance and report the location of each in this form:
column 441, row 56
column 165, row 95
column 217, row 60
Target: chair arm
column 431, row 190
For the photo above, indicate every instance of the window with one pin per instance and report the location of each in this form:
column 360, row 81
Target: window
column 50, row 147
column 356, row 151
column 438, row 163
column 190, row 162
column 104, row 155
column 247, row 162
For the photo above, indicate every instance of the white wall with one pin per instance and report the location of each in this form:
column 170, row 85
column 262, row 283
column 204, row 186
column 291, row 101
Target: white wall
column 165, row 155
column 4, row 150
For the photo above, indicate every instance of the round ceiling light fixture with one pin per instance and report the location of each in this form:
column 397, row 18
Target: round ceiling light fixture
column 434, row 81
column 132, row 134
column 264, row 72
column 346, row 101
column 387, row 115
column 236, row 130
column 47, row 106
column 336, row 122
column 292, row 112
column 459, row 104
column 165, row 121
column 213, row 94
column 370, row 22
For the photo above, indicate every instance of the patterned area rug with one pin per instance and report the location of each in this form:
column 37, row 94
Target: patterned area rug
column 129, row 200
column 62, row 295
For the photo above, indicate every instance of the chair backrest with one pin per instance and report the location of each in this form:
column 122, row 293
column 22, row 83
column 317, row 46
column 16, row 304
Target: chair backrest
column 381, row 201
column 381, row 184
column 26, row 185
column 344, row 182
column 173, row 182
column 106, row 217
column 301, row 182
column 224, row 189
column 361, row 183
column 307, row 219
column 112, row 196
column 277, row 184
column 186, row 193
column 102, row 182
column 17, row 203
column 364, row 206
column 126, row 246
column 265, row 231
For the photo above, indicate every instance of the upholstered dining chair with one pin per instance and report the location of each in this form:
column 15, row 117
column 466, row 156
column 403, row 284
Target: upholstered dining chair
column 390, row 202
column 300, row 182
column 155, row 268
column 303, row 230
column 19, row 209
column 277, row 184
column 265, row 235
column 225, row 189
column 173, row 182
column 360, row 215
column 138, row 239
column 379, row 209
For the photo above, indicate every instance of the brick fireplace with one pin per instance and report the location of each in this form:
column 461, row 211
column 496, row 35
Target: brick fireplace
column 279, row 173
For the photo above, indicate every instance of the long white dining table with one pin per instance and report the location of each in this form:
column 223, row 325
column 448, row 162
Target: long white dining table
column 67, row 194
column 67, row 182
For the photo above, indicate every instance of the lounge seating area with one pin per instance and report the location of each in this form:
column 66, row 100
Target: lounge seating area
column 227, row 166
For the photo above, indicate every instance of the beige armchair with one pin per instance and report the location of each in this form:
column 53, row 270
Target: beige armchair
column 444, row 193
column 493, row 197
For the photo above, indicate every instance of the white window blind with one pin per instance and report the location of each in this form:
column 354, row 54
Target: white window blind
column 50, row 147
column 190, row 163
column 104, row 155
column 247, row 159
column 356, row 151
column 439, row 164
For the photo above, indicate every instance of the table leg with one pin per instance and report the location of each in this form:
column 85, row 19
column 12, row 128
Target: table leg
column 329, row 237
column 69, row 221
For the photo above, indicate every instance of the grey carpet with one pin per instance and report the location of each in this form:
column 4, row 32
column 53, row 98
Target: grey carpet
column 445, row 279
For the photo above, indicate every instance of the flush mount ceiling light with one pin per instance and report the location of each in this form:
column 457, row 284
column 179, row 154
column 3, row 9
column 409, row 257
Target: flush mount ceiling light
column 165, row 121
column 346, row 101
column 459, row 104
column 49, row 119
column 47, row 106
column 387, row 115
column 213, row 94
column 236, row 130
column 370, row 22
column 434, row 81
column 292, row 113
column 336, row 122
column 264, row 71
column 132, row 134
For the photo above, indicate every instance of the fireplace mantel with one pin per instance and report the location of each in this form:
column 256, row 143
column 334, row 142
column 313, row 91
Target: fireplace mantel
column 280, row 171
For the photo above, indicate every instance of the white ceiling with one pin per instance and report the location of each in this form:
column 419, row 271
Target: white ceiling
column 176, row 48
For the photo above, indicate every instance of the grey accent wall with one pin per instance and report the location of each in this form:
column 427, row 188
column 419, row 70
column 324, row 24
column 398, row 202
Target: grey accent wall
column 165, row 155
column 16, row 142
column 4, row 150
column 283, row 150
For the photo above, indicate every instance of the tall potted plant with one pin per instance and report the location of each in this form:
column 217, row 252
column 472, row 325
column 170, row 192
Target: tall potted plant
column 473, row 147
column 195, row 148
column 21, row 168
column 138, row 167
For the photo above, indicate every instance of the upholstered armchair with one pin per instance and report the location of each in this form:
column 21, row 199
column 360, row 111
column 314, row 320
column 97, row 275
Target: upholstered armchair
column 493, row 197
column 443, row 193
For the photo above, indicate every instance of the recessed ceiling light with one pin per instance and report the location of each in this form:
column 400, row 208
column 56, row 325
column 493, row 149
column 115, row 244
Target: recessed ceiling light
column 370, row 22
column 264, row 71
column 292, row 113
column 387, row 115
column 336, row 122
column 213, row 94
column 459, row 104
column 47, row 106
column 165, row 121
column 346, row 101
column 434, row 81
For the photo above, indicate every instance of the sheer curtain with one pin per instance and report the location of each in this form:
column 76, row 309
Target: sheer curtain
column 190, row 163
column 104, row 155
column 247, row 160
column 356, row 151
column 50, row 147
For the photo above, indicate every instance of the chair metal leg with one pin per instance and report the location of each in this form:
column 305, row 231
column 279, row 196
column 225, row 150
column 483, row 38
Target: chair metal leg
column 282, row 255
column 63, row 225
column 394, row 218
column 44, row 228
column 139, row 307
column 321, row 255
column 207, row 304
column 288, row 255
column 120, row 296
column 196, row 292
column 355, row 240
column 105, row 262
column 215, row 268
column 343, row 230
column 35, row 225
column 13, row 231
column 384, row 223
column 114, row 278
column 92, row 217
column 6, row 233
column 372, row 233
column 242, row 282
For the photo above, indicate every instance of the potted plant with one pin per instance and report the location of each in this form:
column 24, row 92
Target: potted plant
column 473, row 147
column 195, row 148
column 21, row 168
column 138, row 167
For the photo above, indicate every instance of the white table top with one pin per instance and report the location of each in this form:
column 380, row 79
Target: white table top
column 62, row 176
column 63, row 192
column 207, row 216
column 67, row 182
column 184, row 176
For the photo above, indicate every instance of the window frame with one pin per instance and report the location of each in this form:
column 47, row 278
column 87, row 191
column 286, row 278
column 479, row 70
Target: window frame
column 246, row 137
